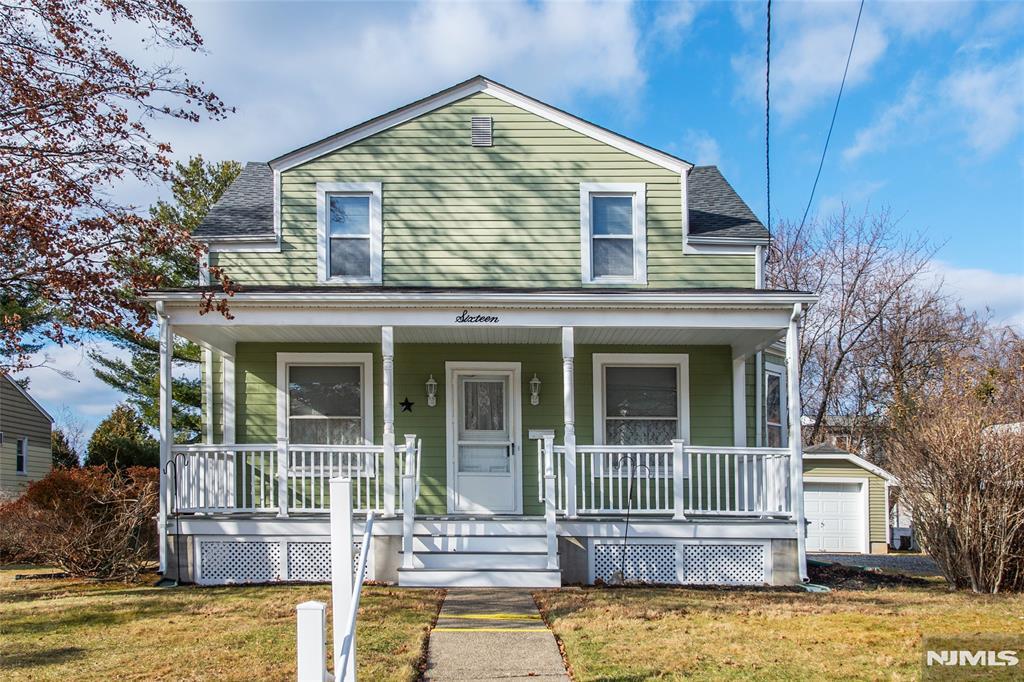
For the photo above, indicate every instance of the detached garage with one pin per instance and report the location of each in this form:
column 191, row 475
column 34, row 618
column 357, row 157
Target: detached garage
column 846, row 502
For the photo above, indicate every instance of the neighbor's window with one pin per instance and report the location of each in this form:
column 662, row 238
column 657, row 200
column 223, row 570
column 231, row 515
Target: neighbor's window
column 641, row 405
column 349, row 232
column 613, row 233
column 325, row 404
column 21, row 455
column 349, row 236
column 773, row 409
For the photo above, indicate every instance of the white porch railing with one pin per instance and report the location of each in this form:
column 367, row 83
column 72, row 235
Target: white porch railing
column 679, row 479
column 257, row 478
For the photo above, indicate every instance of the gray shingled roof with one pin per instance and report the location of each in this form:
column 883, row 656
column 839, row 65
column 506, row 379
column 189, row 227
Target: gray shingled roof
column 716, row 210
column 246, row 209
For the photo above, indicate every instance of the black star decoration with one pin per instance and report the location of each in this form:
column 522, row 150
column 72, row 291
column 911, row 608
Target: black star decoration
column 407, row 405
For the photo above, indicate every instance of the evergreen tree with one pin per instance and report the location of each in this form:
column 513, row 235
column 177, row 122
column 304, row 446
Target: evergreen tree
column 123, row 440
column 195, row 187
column 64, row 455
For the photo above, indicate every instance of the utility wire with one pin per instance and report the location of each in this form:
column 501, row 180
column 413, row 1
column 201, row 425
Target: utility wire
column 767, row 114
column 834, row 112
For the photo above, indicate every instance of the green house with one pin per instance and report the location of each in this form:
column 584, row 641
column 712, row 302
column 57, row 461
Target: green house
column 533, row 346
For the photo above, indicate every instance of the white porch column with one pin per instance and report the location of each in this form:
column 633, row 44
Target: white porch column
column 569, row 405
column 739, row 402
column 166, row 336
column 387, row 343
column 208, row 393
column 796, row 456
column 550, row 527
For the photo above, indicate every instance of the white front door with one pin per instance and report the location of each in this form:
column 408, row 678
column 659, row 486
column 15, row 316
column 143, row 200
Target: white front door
column 483, row 419
column 835, row 516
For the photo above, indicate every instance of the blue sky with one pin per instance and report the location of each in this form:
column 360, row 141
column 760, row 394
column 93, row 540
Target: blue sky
column 931, row 123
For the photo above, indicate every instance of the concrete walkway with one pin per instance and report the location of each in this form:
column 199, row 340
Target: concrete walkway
column 492, row 634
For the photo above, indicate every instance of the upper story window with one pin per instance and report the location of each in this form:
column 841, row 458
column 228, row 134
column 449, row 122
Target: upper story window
column 613, row 233
column 349, row 232
column 21, row 455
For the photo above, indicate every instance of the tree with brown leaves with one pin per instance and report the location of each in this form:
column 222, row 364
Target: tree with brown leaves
column 73, row 124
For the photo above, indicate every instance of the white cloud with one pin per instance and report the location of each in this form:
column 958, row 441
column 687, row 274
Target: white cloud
column 701, row 148
column 990, row 98
column 809, row 51
column 983, row 290
column 856, row 193
column 918, row 19
column 73, row 384
column 881, row 133
column 673, row 20
column 296, row 76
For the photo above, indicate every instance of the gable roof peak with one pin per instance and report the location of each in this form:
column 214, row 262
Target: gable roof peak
column 478, row 83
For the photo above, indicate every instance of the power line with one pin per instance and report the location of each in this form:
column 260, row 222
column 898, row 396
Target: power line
column 767, row 114
column 834, row 112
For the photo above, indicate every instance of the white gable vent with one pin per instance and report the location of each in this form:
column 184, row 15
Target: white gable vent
column 482, row 134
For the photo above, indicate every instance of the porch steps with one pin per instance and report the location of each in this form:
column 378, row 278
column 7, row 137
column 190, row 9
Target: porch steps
column 482, row 557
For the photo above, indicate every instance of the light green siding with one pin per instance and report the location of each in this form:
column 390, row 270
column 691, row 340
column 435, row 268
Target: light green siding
column 823, row 468
column 710, row 396
column 507, row 215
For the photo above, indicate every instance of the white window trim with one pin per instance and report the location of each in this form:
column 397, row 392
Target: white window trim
column 780, row 370
column 23, row 471
column 370, row 189
column 681, row 361
column 639, row 192
column 364, row 360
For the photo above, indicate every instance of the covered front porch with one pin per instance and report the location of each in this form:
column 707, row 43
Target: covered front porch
column 563, row 411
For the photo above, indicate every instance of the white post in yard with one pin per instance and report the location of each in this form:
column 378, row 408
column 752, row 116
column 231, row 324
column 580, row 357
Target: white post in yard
column 678, row 480
column 409, row 500
column 796, row 456
column 166, row 333
column 387, row 342
column 311, row 645
column 549, row 500
column 569, row 405
column 342, row 581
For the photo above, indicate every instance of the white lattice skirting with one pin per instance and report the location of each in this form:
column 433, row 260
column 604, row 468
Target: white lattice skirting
column 234, row 561
column 682, row 562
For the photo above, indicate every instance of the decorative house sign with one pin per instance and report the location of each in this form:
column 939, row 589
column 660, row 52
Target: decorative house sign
column 465, row 318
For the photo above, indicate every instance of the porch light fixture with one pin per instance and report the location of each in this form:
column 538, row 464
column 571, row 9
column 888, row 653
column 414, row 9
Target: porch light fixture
column 431, row 391
column 535, row 390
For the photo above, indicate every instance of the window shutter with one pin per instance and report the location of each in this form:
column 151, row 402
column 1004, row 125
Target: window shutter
column 482, row 131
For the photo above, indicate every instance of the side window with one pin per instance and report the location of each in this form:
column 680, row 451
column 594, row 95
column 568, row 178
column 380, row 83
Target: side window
column 21, row 455
column 775, row 411
column 641, row 405
column 349, row 232
column 613, row 233
column 325, row 404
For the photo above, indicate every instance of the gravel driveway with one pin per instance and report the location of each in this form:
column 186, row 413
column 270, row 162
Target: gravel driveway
column 911, row 564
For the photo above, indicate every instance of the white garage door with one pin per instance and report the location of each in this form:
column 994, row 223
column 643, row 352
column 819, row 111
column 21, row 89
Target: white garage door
column 835, row 517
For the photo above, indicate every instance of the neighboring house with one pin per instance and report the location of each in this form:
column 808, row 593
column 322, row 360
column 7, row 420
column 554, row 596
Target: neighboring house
column 846, row 500
column 568, row 325
column 25, row 449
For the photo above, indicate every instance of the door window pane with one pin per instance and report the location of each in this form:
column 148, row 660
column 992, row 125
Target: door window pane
column 489, row 459
column 484, row 405
column 325, row 405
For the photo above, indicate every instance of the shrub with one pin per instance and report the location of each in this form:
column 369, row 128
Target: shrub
column 959, row 455
column 90, row 522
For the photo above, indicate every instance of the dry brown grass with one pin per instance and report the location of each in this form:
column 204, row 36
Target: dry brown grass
column 73, row 629
column 672, row 633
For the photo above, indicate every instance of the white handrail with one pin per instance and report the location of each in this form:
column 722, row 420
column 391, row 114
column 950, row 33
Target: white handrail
column 349, row 630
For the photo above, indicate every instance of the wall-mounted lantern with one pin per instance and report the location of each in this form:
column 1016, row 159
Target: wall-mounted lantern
column 431, row 391
column 535, row 390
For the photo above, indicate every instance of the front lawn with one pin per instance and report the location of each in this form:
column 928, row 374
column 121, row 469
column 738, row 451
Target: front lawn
column 72, row 629
column 671, row 633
